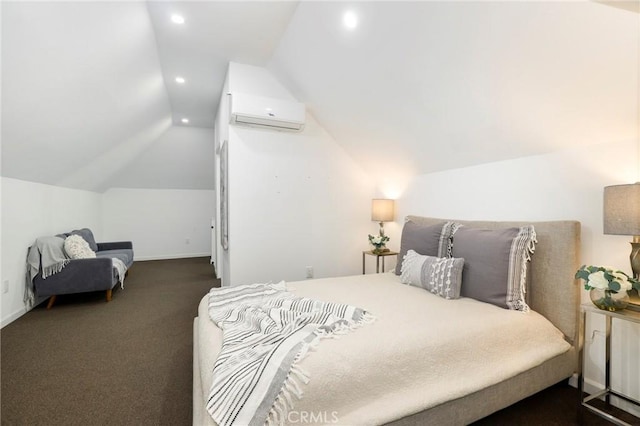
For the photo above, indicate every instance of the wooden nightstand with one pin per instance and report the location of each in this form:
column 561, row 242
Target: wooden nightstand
column 378, row 256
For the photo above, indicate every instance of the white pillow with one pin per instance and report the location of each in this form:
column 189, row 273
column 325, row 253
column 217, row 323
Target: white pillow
column 411, row 270
column 77, row 247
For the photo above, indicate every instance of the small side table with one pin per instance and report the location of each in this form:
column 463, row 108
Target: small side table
column 624, row 315
column 378, row 256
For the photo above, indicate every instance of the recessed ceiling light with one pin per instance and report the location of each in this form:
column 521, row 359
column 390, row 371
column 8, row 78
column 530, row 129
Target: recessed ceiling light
column 177, row 19
column 185, row 120
column 350, row 19
column 180, row 80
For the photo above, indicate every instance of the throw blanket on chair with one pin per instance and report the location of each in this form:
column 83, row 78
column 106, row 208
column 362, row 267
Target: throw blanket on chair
column 266, row 332
column 49, row 252
column 121, row 268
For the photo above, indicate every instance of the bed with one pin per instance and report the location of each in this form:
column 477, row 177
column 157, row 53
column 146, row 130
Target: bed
column 414, row 365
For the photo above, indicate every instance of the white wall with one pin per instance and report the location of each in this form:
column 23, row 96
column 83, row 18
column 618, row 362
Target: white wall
column 295, row 199
column 562, row 185
column 31, row 210
column 161, row 223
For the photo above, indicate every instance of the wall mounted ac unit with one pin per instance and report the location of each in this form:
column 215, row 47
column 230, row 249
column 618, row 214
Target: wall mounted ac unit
column 268, row 113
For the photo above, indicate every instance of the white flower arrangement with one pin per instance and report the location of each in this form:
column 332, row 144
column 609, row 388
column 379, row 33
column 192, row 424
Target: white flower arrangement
column 606, row 279
column 378, row 241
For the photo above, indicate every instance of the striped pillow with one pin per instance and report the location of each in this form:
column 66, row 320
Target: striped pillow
column 429, row 240
column 495, row 268
column 439, row 275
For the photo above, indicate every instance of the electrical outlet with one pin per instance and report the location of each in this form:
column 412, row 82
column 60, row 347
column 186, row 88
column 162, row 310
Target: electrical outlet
column 309, row 271
column 5, row 286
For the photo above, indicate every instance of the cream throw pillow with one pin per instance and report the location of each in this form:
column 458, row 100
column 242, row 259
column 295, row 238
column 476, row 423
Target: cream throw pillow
column 77, row 247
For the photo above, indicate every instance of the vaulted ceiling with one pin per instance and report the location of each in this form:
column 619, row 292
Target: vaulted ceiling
column 420, row 87
column 90, row 98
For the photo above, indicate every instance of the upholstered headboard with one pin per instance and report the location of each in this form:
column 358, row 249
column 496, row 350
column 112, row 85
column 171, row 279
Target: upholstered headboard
column 553, row 290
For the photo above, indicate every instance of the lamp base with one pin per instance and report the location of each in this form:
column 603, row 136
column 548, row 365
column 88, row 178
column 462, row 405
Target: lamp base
column 634, row 257
column 634, row 301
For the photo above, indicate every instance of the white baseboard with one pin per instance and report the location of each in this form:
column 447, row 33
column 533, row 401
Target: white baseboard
column 591, row 386
column 170, row 256
column 12, row 317
column 573, row 380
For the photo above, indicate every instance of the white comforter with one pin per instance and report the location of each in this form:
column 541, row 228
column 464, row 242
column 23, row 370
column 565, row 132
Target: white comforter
column 421, row 351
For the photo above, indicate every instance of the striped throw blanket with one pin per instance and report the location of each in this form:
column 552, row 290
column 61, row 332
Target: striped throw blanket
column 266, row 332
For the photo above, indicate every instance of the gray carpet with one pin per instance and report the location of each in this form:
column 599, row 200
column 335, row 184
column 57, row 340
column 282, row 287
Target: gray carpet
column 126, row 362
column 129, row 362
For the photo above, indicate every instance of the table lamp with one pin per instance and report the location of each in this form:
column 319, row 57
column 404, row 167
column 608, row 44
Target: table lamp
column 381, row 211
column 622, row 217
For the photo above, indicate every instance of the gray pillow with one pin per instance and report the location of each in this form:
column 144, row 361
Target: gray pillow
column 495, row 267
column 87, row 235
column 439, row 275
column 426, row 240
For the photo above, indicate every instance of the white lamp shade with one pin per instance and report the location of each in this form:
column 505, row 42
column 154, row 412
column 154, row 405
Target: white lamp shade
column 622, row 209
column 382, row 210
